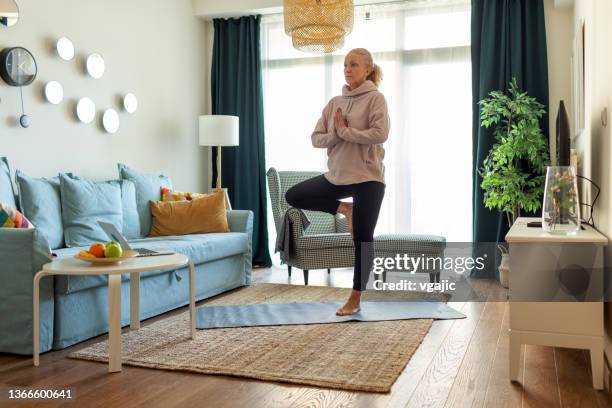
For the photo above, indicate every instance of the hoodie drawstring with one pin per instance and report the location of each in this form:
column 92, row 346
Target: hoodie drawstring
column 350, row 104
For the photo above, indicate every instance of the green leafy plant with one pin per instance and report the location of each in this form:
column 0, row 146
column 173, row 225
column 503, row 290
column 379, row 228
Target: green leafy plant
column 513, row 173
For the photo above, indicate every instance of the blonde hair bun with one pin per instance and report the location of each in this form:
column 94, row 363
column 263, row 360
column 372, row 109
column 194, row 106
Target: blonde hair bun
column 376, row 74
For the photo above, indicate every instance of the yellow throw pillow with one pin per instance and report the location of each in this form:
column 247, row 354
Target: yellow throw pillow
column 167, row 194
column 206, row 214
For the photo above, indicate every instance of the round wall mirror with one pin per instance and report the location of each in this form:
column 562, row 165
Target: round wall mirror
column 65, row 48
column 54, row 93
column 130, row 103
column 95, row 66
column 9, row 13
column 110, row 121
column 86, row 110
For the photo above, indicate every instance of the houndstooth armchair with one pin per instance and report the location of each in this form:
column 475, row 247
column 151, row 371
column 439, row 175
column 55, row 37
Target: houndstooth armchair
column 325, row 244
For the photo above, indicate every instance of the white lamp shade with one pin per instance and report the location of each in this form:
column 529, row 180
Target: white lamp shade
column 219, row 130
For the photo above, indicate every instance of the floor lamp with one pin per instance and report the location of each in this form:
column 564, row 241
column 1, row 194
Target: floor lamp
column 219, row 130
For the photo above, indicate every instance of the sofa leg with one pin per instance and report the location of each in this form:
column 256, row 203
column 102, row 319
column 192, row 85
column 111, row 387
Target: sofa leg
column 328, row 270
column 289, row 270
column 305, row 276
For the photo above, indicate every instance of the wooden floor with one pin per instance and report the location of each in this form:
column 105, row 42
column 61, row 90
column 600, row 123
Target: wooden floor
column 461, row 363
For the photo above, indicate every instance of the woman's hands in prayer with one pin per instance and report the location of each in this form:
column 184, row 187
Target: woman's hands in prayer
column 339, row 120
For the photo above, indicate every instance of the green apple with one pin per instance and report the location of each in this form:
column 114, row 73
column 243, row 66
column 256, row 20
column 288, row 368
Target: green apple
column 113, row 250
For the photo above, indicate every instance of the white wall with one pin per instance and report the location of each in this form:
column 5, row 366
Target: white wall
column 597, row 15
column 595, row 149
column 559, row 23
column 154, row 48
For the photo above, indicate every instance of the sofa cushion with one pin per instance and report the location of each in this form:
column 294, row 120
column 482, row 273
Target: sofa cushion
column 11, row 218
column 204, row 214
column 131, row 221
column 170, row 195
column 85, row 202
column 199, row 248
column 410, row 243
column 320, row 241
column 7, row 193
column 148, row 187
column 39, row 201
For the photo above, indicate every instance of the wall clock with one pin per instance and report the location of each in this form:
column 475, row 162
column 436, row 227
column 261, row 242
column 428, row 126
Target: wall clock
column 18, row 68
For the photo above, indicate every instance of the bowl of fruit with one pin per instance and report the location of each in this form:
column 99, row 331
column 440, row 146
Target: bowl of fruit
column 101, row 254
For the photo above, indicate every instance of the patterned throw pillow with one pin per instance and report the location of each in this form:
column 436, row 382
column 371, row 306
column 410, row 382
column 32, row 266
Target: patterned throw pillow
column 11, row 218
column 167, row 194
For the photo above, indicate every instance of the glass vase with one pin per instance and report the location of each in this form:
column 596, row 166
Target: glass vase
column 561, row 208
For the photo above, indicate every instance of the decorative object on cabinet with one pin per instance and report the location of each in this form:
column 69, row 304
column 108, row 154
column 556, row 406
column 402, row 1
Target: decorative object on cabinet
column 110, row 121
column 18, row 68
column 95, row 66
column 130, row 103
column 86, row 110
column 9, row 13
column 561, row 208
column 54, row 92
column 563, row 136
column 65, row 48
column 318, row 25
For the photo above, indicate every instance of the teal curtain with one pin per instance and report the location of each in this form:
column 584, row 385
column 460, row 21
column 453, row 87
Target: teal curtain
column 508, row 40
column 237, row 90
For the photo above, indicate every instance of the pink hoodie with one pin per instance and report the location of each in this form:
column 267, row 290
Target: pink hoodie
column 355, row 153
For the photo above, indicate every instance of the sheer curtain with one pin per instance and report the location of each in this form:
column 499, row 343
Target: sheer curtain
column 423, row 48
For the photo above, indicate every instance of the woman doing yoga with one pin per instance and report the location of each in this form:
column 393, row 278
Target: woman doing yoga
column 352, row 128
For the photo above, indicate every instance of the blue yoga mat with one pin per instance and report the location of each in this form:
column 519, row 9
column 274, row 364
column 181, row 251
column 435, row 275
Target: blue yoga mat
column 275, row 314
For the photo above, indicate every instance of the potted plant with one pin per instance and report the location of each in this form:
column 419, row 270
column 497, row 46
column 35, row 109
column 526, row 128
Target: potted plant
column 513, row 173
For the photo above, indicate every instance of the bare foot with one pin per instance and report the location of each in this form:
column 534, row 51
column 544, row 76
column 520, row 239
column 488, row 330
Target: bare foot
column 346, row 209
column 352, row 305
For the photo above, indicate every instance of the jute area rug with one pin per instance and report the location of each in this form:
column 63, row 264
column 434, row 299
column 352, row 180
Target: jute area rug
column 358, row 356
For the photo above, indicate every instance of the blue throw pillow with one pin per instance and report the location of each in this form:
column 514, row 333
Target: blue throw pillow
column 39, row 200
column 131, row 221
column 148, row 187
column 7, row 193
column 83, row 204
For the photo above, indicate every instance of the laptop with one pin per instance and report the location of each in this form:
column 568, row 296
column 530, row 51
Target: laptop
column 115, row 235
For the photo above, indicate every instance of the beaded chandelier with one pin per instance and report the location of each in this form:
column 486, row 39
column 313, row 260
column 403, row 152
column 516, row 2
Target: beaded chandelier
column 318, row 25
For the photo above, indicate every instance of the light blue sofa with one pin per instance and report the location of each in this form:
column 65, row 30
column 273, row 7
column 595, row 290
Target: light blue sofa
column 75, row 308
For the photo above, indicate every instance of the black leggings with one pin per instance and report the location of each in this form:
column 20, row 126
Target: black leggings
column 318, row 194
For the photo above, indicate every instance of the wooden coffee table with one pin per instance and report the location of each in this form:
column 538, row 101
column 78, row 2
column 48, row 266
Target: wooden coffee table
column 133, row 266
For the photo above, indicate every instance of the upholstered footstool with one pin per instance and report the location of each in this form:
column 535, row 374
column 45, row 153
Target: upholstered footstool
column 413, row 246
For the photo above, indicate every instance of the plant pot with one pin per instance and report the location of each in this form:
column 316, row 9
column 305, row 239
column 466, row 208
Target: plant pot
column 504, row 267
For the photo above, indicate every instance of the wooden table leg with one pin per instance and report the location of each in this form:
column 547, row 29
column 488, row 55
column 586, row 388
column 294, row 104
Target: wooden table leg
column 134, row 301
column 515, row 356
column 192, row 310
column 597, row 364
column 36, row 322
column 114, row 323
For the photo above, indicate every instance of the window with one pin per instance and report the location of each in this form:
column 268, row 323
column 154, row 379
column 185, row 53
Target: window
column 423, row 48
